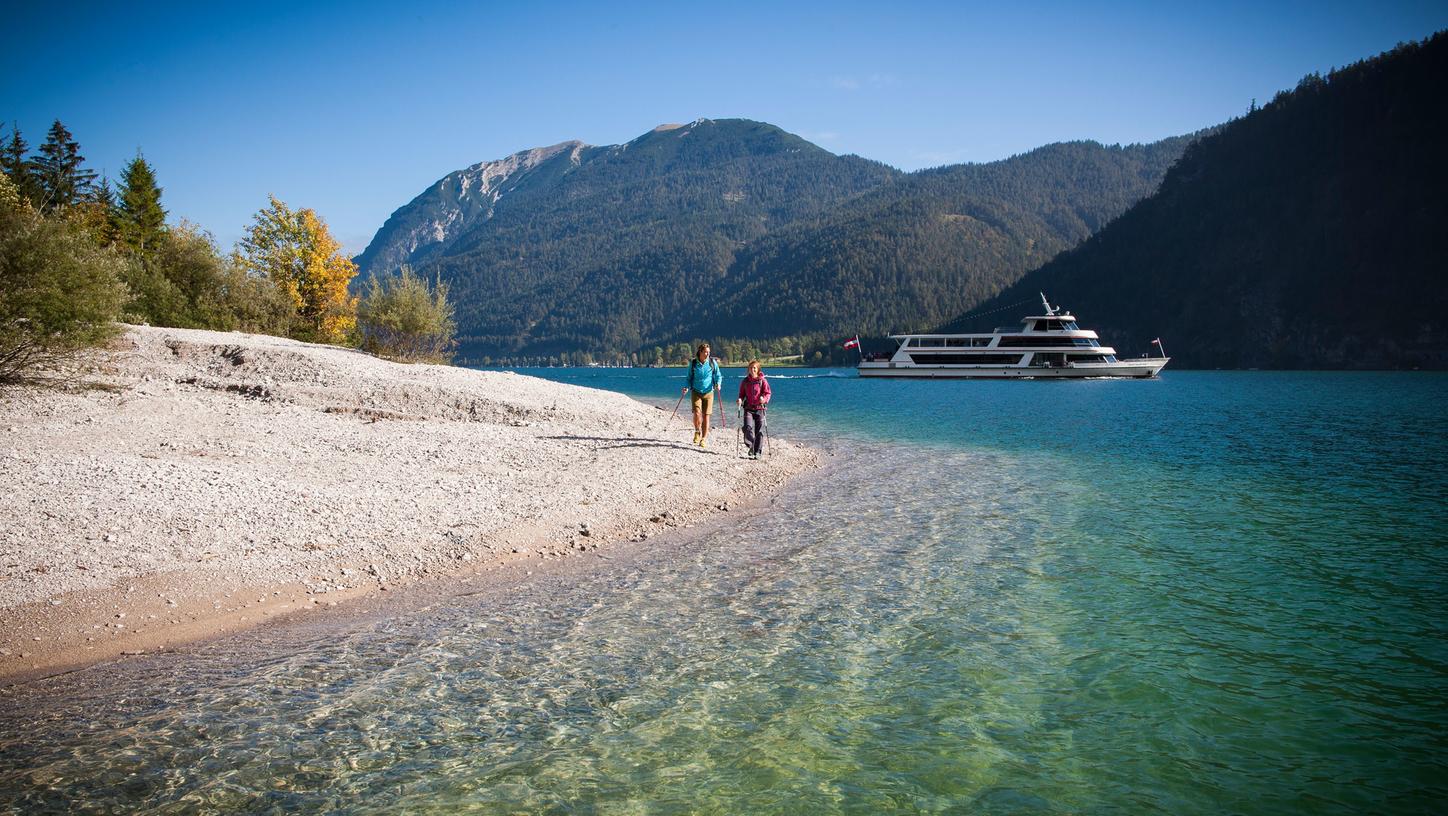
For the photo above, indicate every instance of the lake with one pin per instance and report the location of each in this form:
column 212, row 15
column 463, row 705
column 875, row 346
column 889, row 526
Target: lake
column 1210, row 592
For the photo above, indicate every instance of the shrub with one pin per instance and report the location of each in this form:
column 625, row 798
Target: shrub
column 184, row 282
column 403, row 318
column 59, row 292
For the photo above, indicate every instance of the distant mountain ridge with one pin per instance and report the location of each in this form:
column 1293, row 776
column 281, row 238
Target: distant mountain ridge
column 430, row 223
column 734, row 228
column 1310, row 233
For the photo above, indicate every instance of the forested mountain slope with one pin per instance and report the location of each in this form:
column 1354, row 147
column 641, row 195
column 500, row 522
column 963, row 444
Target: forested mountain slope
column 1311, row 233
column 733, row 228
column 907, row 255
column 595, row 246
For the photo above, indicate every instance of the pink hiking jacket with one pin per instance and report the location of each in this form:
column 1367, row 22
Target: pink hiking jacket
column 755, row 393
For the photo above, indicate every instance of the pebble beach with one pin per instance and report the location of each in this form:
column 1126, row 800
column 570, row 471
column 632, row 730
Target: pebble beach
column 189, row 483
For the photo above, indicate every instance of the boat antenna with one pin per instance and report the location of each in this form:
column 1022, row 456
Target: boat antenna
column 1049, row 311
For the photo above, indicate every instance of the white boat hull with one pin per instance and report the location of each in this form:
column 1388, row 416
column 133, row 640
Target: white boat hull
column 1050, row 346
column 1138, row 369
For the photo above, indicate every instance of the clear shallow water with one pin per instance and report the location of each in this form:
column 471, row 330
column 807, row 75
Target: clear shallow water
column 1214, row 592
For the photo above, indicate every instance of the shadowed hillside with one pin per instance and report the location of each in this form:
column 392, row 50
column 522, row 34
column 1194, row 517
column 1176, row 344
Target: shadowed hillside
column 1311, row 233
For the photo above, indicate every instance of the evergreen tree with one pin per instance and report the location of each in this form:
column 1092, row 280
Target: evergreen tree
column 16, row 166
column 98, row 214
column 59, row 172
column 103, row 195
column 139, row 215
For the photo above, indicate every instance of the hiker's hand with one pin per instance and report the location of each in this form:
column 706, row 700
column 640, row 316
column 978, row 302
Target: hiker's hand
column 740, row 401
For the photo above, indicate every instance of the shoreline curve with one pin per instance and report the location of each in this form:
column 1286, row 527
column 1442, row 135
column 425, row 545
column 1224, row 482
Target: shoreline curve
column 191, row 484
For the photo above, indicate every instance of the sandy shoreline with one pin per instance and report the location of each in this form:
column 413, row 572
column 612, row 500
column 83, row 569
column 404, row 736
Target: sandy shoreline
column 196, row 483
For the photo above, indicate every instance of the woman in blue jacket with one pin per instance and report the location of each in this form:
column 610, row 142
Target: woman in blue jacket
column 704, row 382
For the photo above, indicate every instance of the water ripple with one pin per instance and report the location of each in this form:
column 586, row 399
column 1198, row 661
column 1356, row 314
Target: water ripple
column 962, row 625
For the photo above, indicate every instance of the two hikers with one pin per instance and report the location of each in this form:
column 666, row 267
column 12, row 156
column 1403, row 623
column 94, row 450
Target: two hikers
column 754, row 398
column 705, row 382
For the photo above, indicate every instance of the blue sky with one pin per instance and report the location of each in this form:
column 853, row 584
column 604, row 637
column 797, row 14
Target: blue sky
column 353, row 109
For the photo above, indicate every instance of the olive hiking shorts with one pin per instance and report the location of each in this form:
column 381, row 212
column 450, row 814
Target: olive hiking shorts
column 702, row 401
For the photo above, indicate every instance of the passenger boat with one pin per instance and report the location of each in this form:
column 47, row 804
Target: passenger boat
column 1047, row 345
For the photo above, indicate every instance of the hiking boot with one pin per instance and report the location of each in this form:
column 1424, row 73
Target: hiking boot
column 703, row 442
column 696, row 438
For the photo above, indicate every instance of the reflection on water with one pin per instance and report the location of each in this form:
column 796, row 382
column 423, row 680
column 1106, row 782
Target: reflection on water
column 942, row 627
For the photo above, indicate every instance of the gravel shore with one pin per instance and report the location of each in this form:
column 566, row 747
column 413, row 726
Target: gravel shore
column 196, row 482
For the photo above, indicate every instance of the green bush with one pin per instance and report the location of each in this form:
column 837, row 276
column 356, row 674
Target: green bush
column 253, row 304
column 403, row 318
column 59, row 292
column 185, row 282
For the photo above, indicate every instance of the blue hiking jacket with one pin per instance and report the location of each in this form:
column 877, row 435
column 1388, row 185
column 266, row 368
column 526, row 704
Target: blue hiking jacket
column 703, row 378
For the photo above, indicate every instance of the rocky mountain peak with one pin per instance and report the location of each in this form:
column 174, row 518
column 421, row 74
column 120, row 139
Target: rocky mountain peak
column 430, row 223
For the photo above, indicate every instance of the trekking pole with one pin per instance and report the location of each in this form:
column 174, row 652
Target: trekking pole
column 738, row 431
column 763, row 436
column 670, row 420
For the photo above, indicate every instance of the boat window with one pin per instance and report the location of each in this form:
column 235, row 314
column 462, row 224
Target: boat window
column 1111, row 358
column 932, row 342
column 980, row 341
column 956, row 342
column 1071, row 326
column 1033, row 342
column 914, row 342
column 947, row 358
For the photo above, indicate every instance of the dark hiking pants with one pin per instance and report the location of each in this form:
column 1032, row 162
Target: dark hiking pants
column 754, row 429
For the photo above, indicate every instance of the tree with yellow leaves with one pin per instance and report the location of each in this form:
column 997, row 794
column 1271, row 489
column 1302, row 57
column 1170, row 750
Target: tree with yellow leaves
column 295, row 250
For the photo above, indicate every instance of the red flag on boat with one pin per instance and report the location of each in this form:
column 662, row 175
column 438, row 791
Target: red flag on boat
column 849, row 344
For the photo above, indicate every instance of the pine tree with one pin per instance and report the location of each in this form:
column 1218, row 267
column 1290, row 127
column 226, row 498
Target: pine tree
column 16, row 166
column 59, row 171
column 99, row 214
column 139, row 215
column 103, row 195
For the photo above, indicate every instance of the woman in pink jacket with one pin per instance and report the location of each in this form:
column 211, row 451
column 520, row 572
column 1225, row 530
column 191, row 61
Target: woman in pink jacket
column 754, row 398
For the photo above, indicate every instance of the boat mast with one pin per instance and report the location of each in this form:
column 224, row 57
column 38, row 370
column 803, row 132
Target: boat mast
column 1049, row 311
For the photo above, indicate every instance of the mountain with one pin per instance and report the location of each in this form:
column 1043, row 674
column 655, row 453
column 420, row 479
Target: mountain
column 733, row 228
column 912, row 253
column 430, row 223
column 587, row 248
column 1310, row 233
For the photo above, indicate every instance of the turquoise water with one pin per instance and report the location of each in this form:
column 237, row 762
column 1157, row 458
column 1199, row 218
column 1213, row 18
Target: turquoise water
column 1207, row 593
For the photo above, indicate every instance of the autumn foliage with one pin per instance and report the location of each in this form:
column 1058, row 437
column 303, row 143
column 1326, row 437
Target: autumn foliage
column 296, row 251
